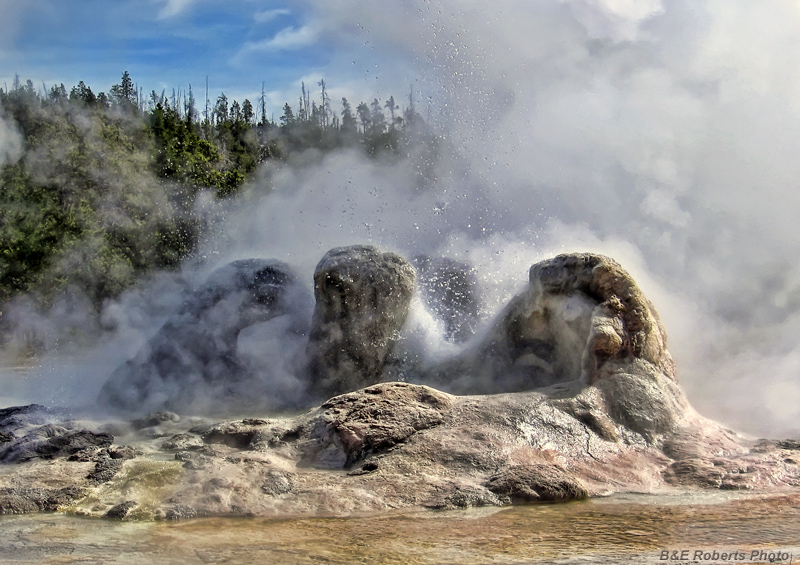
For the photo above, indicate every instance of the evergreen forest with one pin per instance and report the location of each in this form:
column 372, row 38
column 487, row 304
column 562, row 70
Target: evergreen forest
column 105, row 184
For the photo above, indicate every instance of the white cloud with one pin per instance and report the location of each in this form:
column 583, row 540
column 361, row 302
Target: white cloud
column 619, row 20
column 287, row 39
column 172, row 8
column 269, row 15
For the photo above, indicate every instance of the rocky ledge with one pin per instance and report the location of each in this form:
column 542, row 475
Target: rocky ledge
column 579, row 399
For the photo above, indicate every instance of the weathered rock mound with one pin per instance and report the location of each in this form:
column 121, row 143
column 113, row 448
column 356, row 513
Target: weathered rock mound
column 579, row 313
column 379, row 418
column 536, row 483
column 193, row 357
column 362, row 300
column 624, row 324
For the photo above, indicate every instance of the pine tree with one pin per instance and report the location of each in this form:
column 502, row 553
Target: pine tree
column 247, row 111
column 190, row 111
column 287, row 119
column 392, row 107
column 348, row 120
column 221, row 109
column 124, row 93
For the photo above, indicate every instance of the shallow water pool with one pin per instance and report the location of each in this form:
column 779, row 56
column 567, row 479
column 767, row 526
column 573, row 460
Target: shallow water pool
column 620, row 529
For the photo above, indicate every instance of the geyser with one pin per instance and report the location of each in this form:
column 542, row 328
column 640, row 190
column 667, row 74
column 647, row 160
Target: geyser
column 579, row 313
column 597, row 409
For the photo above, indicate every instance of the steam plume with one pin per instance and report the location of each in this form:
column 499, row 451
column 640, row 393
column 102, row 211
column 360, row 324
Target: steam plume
column 663, row 134
column 10, row 141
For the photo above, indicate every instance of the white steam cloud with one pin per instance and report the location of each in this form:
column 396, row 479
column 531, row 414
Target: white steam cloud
column 10, row 141
column 663, row 134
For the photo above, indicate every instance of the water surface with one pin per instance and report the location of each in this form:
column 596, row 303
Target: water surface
column 620, row 529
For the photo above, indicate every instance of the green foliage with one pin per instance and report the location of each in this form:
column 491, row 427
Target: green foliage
column 104, row 190
column 182, row 155
column 83, row 207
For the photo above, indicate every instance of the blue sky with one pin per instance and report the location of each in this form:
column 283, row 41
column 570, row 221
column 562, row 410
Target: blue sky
column 166, row 44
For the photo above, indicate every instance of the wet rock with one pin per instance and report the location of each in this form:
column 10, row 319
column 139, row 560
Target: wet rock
column 16, row 416
column 590, row 409
column 764, row 445
column 50, row 441
column 95, row 454
column 16, row 421
column 683, row 446
column 694, row 472
column 196, row 460
column 182, row 442
column 120, row 511
column 90, row 454
column 6, row 437
column 104, row 470
column 366, row 467
column 362, row 300
column 466, row 497
column 122, row 452
column 241, row 434
column 536, row 483
column 24, row 500
column 193, row 357
column 277, row 483
column 155, row 419
column 644, row 401
column 180, row 512
column 449, row 289
column 380, row 417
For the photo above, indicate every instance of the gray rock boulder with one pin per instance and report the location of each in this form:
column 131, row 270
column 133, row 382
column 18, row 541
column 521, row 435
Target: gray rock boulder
column 536, row 483
column 37, row 432
column 50, row 441
column 362, row 300
column 192, row 362
column 23, row 500
column 376, row 419
column 121, row 510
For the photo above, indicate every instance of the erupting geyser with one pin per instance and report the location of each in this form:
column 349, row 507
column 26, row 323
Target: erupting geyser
column 581, row 400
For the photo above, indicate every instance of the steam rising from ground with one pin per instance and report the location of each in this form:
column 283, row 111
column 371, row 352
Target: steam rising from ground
column 10, row 141
column 663, row 134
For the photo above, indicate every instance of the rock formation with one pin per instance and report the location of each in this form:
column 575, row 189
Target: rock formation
column 193, row 357
column 362, row 300
column 581, row 316
column 596, row 409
